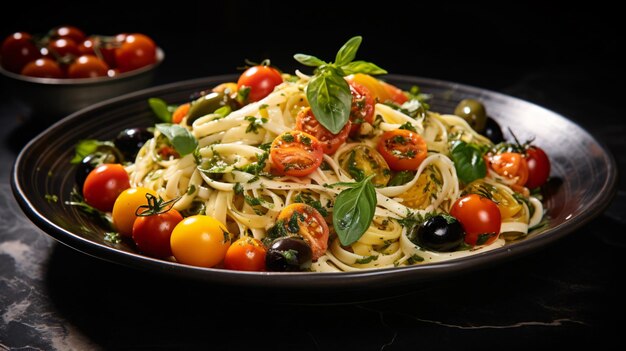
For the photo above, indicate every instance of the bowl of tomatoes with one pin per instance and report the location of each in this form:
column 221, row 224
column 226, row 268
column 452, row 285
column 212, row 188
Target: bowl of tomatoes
column 64, row 70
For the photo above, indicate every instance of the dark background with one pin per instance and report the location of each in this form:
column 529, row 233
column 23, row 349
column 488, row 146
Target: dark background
column 563, row 57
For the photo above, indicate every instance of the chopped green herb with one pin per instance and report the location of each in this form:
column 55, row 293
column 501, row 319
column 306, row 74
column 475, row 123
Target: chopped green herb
column 366, row 260
column 113, row 237
column 288, row 137
column 51, row 198
column 408, row 126
column 415, row 258
column 483, row 238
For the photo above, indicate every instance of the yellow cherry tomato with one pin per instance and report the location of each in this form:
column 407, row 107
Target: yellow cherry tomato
column 200, row 241
column 125, row 207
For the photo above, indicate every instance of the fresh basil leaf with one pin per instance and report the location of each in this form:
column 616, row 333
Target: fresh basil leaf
column 347, row 53
column 308, row 60
column 183, row 141
column 354, row 210
column 362, row 67
column 160, row 109
column 330, row 100
column 84, row 148
column 468, row 161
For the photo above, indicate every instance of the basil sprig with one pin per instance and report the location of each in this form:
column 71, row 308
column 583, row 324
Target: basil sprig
column 468, row 161
column 328, row 92
column 182, row 140
column 354, row 210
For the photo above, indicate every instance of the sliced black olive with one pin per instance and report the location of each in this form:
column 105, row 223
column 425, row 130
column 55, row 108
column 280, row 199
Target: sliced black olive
column 473, row 112
column 288, row 254
column 493, row 131
column 129, row 141
column 439, row 233
column 208, row 104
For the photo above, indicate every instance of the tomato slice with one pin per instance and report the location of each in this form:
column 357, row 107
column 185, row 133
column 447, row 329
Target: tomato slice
column 306, row 122
column 510, row 165
column 305, row 221
column 379, row 90
column 296, row 153
column 362, row 107
column 403, row 150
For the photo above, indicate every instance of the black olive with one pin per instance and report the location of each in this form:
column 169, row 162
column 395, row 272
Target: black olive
column 129, row 141
column 440, row 233
column 288, row 254
column 493, row 131
column 104, row 154
column 473, row 112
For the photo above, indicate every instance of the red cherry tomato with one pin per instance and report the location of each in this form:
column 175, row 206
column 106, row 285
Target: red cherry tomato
column 296, row 153
column 106, row 49
column 87, row 66
column 480, row 218
column 538, row 167
column 246, row 254
column 261, row 80
column 403, row 149
column 311, row 226
column 306, row 122
column 137, row 51
column 104, row 184
column 69, row 32
column 152, row 233
column 510, row 165
column 362, row 107
column 17, row 50
column 62, row 47
column 43, row 68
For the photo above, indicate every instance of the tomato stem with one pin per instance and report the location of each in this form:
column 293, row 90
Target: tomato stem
column 155, row 206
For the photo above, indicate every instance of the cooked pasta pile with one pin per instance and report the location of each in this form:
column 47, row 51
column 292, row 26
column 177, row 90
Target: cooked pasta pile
column 229, row 178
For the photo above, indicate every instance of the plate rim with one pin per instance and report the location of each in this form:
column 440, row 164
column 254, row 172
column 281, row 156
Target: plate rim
column 294, row 280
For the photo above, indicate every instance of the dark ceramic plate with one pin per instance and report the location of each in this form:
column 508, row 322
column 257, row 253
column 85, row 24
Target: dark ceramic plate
column 585, row 184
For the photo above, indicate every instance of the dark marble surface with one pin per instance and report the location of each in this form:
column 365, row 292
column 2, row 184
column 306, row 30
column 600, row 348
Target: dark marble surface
column 570, row 293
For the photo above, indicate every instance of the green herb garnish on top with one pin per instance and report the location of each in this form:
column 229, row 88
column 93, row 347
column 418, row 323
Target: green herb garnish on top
column 328, row 92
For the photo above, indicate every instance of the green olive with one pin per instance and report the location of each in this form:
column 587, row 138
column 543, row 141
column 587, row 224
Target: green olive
column 363, row 161
column 208, row 104
column 473, row 112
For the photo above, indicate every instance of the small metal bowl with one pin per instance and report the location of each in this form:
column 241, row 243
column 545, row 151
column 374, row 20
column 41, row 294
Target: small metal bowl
column 57, row 97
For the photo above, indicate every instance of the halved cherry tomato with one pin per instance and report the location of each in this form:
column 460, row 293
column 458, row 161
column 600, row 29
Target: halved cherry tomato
column 137, row 51
column 296, row 153
column 246, row 254
column 17, row 50
column 104, row 184
column 87, row 66
column 306, row 122
column 261, row 80
column 380, row 91
column 125, row 207
column 403, row 149
column 511, row 165
column 180, row 113
column 152, row 233
column 480, row 218
column 43, row 68
column 305, row 221
column 538, row 167
column 362, row 107
column 200, row 241
column 69, row 32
